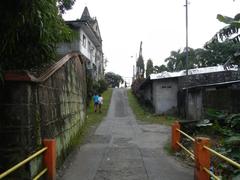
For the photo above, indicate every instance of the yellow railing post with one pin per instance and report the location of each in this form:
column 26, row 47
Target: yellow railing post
column 175, row 136
column 202, row 158
column 50, row 158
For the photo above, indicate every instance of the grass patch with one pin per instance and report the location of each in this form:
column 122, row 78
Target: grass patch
column 96, row 117
column 142, row 113
column 167, row 147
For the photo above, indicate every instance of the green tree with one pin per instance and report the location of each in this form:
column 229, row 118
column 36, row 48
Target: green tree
column 29, row 32
column 219, row 53
column 159, row 69
column 177, row 60
column 229, row 33
column 140, row 64
column 149, row 68
column 113, row 79
column 64, row 5
column 140, row 67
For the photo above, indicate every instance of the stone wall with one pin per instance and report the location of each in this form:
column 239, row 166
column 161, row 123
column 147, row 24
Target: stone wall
column 51, row 106
column 209, row 78
column 19, row 124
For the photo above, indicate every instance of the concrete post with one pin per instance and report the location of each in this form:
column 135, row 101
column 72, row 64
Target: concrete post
column 175, row 135
column 50, row 158
column 202, row 158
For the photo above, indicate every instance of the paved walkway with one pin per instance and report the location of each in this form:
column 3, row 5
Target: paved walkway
column 122, row 149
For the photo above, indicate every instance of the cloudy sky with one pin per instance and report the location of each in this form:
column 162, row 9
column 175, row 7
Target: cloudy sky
column 159, row 24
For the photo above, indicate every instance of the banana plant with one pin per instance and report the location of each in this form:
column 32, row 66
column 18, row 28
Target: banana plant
column 229, row 32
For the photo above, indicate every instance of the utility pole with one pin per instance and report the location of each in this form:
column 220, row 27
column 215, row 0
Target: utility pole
column 186, row 81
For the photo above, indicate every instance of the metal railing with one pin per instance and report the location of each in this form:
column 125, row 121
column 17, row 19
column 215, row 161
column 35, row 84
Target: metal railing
column 223, row 157
column 49, row 161
column 14, row 168
column 201, row 154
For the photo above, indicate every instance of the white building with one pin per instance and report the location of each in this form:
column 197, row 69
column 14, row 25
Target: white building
column 88, row 43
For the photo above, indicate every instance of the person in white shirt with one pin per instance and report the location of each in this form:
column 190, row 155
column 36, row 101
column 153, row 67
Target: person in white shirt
column 100, row 102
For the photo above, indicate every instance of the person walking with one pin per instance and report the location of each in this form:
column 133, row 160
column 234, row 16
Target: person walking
column 100, row 102
column 95, row 101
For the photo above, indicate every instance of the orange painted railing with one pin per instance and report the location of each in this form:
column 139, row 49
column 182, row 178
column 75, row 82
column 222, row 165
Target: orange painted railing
column 49, row 152
column 201, row 155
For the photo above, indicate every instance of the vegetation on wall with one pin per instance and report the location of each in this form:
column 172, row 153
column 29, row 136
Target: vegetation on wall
column 30, row 30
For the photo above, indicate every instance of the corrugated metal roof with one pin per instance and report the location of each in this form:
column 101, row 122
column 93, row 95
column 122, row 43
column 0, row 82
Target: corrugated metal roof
column 203, row 70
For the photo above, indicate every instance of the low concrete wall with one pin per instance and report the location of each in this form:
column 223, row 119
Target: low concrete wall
column 51, row 106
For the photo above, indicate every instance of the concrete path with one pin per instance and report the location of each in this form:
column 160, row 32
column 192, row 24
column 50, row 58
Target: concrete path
column 122, row 149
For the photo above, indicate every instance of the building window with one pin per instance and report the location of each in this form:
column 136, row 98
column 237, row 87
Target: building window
column 166, row 86
column 84, row 41
column 89, row 46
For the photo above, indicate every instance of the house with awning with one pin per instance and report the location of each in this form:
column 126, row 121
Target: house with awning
column 176, row 94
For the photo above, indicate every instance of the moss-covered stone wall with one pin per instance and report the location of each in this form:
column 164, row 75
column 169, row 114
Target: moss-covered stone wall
column 33, row 110
column 62, row 105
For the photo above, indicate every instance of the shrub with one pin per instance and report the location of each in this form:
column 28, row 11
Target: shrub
column 29, row 32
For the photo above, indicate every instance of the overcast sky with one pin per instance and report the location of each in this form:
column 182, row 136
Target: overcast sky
column 159, row 24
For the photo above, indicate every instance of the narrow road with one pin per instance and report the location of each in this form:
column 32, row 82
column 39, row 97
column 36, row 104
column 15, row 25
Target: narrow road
column 122, row 149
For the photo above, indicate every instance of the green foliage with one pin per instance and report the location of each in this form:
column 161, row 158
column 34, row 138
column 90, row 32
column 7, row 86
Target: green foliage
column 90, row 91
column 94, row 87
column 226, row 127
column 29, row 32
column 212, row 54
column 218, row 53
column 227, row 123
column 149, row 68
column 64, row 5
column 234, row 122
column 177, row 60
column 159, row 69
column 113, row 79
column 229, row 32
column 100, row 86
column 135, row 87
column 233, row 140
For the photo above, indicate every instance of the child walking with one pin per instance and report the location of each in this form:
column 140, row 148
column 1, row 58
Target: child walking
column 95, row 101
column 100, row 102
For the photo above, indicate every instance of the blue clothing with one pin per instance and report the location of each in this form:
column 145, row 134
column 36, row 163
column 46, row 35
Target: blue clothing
column 95, row 99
